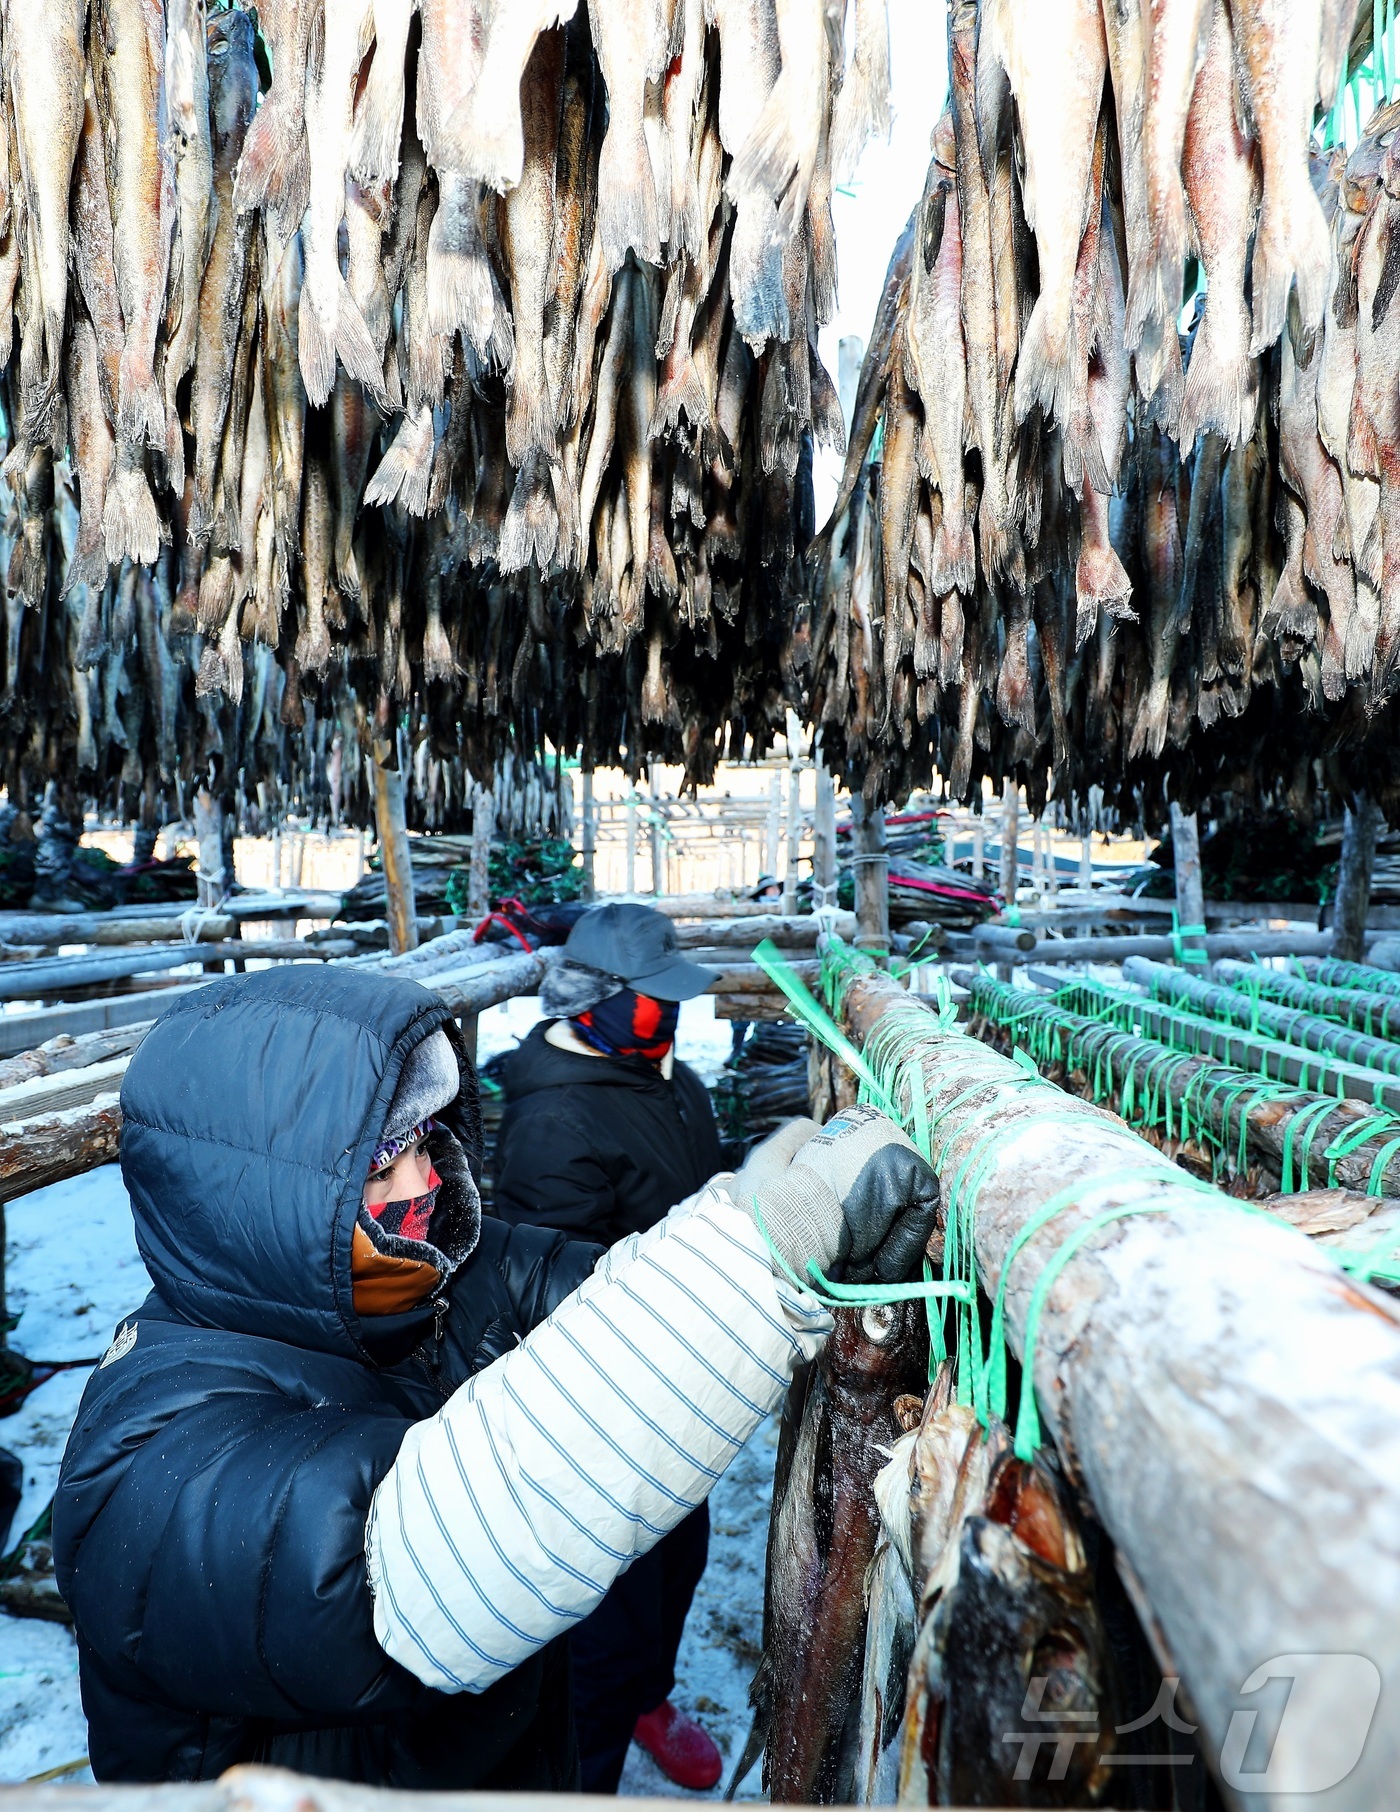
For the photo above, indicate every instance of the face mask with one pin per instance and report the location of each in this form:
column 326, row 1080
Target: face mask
column 630, row 1025
column 408, row 1220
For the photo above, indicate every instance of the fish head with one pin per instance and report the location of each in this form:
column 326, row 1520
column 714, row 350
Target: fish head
column 1366, row 167
column 1024, row 1649
column 233, row 76
column 879, row 1350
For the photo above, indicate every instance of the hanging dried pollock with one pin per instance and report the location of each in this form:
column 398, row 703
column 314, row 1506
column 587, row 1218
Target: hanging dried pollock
column 462, row 375
column 1089, row 551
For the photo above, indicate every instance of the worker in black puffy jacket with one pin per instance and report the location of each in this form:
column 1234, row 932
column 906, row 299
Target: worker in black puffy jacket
column 603, row 1130
column 362, row 1458
column 210, row 1517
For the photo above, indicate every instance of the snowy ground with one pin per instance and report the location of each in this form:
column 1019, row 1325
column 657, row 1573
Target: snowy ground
column 74, row 1274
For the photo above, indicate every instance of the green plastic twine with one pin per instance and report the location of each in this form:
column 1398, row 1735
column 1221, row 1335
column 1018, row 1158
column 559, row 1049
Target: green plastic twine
column 816, row 1018
column 1179, row 931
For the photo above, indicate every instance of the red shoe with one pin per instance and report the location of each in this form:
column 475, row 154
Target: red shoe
column 682, row 1751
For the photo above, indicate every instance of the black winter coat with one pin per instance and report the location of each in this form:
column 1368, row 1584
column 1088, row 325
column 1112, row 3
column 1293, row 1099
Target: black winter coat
column 599, row 1146
column 210, row 1517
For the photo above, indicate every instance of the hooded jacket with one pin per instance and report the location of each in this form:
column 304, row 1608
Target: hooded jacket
column 599, row 1146
column 210, row 1517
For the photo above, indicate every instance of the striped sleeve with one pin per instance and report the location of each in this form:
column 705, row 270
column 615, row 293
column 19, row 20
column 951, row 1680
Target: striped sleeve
column 507, row 1516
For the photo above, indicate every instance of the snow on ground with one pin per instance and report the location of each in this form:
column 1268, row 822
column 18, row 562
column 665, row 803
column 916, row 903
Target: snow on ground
column 74, row 1274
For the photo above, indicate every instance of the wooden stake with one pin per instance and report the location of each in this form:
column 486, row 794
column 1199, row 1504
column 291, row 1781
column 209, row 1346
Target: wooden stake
column 824, row 839
column 1354, row 878
column 1010, row 828
column 794, row 836
column 872, row 866
column 483, row 828
column 590, row 838
column 392, row 824
column 658, row 873
column 1190, row 892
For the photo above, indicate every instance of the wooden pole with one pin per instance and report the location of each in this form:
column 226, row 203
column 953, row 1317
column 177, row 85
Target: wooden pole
column 1190, row 891
column 794, row 836
column 872, row 874
column 632, row 842
column 479, row 875
column 824, row 833
column 590, row 838
column 1086, row 860
column 209, row 834
column 775, row 810
column 658, row 873
column 1359, row 829
column 979, row 848
column 1010, row 828
column 1225, row 1395
column 391, row 821
column 1207, row 1089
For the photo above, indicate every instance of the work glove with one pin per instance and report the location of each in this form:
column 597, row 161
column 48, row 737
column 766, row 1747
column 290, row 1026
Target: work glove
column 770, row 1159
column 856, row 1197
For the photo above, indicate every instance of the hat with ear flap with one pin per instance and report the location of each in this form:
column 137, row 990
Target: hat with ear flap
column 429, row 1081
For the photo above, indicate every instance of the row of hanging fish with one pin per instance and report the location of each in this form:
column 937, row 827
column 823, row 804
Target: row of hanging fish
column 531, row 290
column 932, row 1630
column 1064, row 571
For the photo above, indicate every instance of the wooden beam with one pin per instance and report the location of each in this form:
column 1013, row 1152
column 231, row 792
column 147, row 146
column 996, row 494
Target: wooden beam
column 392, row 824
column 42, row 1096
column 1242, row 944
column 68, row 1053
column 51, row 975
column 744, row 933
column 1223, row 1392
column 100, row 928
column 47, row 1148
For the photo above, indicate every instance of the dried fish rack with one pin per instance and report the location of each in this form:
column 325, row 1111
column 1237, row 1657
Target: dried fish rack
column 1212, row 1381
column 1218, row 1119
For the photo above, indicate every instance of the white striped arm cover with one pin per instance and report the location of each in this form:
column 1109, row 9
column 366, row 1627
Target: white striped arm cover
column 507, row 1516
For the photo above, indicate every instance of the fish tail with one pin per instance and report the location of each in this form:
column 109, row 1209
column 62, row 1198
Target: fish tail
column 88, row 567
column 1150, row 727
column 1291, row 244
column 404, row 473
column 1291, row 611
column 487, row 137
column 1359, row 647
column 374, row 145
column 319, row 343
column 438, row 661
column 681, row 395
column 756, row 277
column 275, row 166
column 770, row 156
column 212, row 675
column 129, row 519
column 530, row 423
column 531, row 528
column 662, row 578
column 954, row 558
column 215, row 594
column 950, row 640
column 863, row 103
column 1043, row 375
column 627, row 212
column 463, row 293
column 1014, row 699
column 1100, row 582
column 1221, row 392
column 313, row 649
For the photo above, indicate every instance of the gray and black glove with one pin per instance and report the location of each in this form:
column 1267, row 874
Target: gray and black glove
column 856, row 1197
